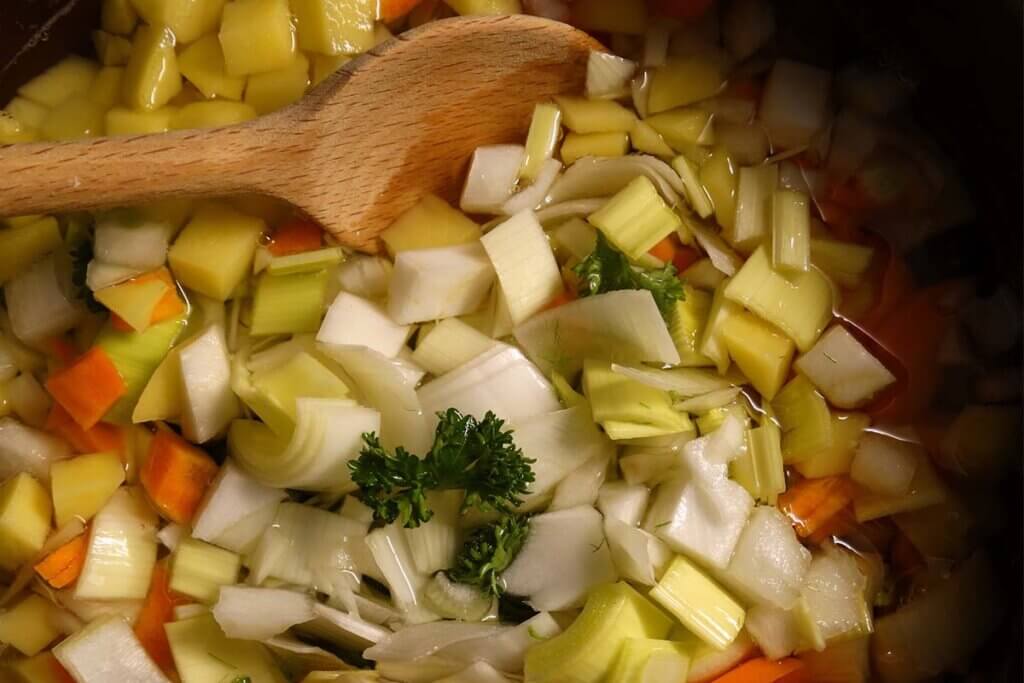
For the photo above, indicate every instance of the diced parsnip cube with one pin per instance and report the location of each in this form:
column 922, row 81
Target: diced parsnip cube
column 210, row 404
column 524, row 263
column 623, row 16
column 712, row 342
column 151, row 77
column 112, row 50
column 73, row 76
column 682, row 81
column 354, row 321
column 800, row 303
column 794, row 105
column 122, row 549
column 77, row 117
column 681, row 128
column 107, row 650
column 23, row 244
column 28, row 626
column 272, row 90
column 644, row 138
column 189, row 19
column 805, row 420
column 213, row 254
column 199, row 569
column 120, row 121
column 212, row 114
column 843, row 369
column 431, row 284
column 493, row 172
column 448, row 345
column 333, row 27
column 595, row 116
column 202, row 653
column 24, row 520
column 118, row 16
column 636, row 218
column 325, row 65
column 578, row 145
column 430, row 223
column 468, row 7
column 689, row 319
column 760, row 350
column 106, row 90
column 83, row 485
column 844, row 262
column 834, row 594
column 699, row 603
column 202, row 63
column 884, row 464
column 242, row 21
column 718, row 176
column 847, row 429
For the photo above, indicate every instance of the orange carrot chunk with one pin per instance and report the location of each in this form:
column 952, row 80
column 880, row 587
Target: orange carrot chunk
column 684, row 258
column 176, row 475
column 296, row 236
column 394, row 9
column 88, row 387
column 62, row 567
column 665, row 250
column 99, row 438
column 764, row 670
column 157, row 610
column 812, row 503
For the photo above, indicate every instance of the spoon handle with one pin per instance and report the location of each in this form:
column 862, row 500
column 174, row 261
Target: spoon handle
column 106, row 172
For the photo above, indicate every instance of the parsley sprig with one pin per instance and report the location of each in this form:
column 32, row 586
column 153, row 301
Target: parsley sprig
column 606, row 270
column 488, row 551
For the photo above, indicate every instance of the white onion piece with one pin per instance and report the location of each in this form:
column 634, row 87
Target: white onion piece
column 125, row 238
column 423, row 640
column 683, row 381
column 580, row 487
column 38, row 303
column 431, row 284
column 99, row 275
column 107, row 650
column 575, row 208
column 722, row 256
column 26, row 449
column 122, row 549
column 591, row 177
column 260, row 613
column 747, row 26
column 623, row 501
column 344, row 630
column 365, row 276
column 608, row 75
column 355, row 321
column 506, row 650
column 532, row 196
column 623, row 326
column 232, row 497
column 491, row 178
column 794, row 105
column 638, row 555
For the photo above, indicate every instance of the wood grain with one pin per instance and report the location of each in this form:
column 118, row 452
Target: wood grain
column 358, row 150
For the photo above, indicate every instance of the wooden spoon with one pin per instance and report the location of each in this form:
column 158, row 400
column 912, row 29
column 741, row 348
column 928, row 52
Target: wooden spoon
column 359, row 149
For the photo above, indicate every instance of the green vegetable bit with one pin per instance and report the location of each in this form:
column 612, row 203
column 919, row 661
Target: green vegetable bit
column 606, row 270
column 469, row 454
column 488, row 551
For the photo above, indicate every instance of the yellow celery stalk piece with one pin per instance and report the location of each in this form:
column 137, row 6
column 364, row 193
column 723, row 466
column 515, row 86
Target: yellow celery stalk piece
column 579, row 145
column 689, row 320
column 628, row 409
column 759, row 470
column 636, row 218
column 753, row 206
column 699, row 603
column 288, row 304
column 791, row 230
column 199, row 569
column 761, row 351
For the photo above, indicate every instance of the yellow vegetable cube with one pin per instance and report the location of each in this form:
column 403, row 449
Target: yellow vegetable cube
column 202, row 63
column 256, row 36
column 468, row 7
column 162, row 397
column 805, row 420
column 113, row 50
column 275, row 89
column 762, row 352
column 211, row 114
column 621, row 16
column 213, row 254
column 847, row 429
column 12, row 130
column 325, row 65
column 333, row 27
column 681, row 128
column 151, row 78
column 646, row 139
column 579, row 145
column 21, row 244
column 26, row 112
column 689, row 318
column 122, row 121
column 28, row 626
column 118, row 16
column 24, row 520
column 431, row 223
column 78, row 117
column 595, row 116
column 82, row 485
column 684, row 81
column 188, row 19
column 106, row 91
column 69, row 77
column 718, row 176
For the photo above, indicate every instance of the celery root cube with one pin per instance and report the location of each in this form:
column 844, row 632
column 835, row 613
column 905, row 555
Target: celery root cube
column 24, row 519
column 256, row 36
column 151, row 77
column 214, row 252
column 332, row 27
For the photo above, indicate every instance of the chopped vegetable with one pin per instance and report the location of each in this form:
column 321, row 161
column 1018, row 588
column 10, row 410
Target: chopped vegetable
column 199, row 569
column 214, row 251
column 157, row 610
column 488, row 551
column 753, row 207
column 925, row 489
column 812, row 503
column 764, row 670
column 62, row 567
column 760, row 351
column 791, row 230
column 206, row 385
column 202, row 652
column 122, row 549
column 541, row 139
column 635, row 219
column 608, row 76
column 794, row 105
column 699, row 603
column 491, row 179
column 524, row 263
column 682, row 81
column 430, row 284
column 805, row 420
column 653, row 661
column 176, row 475
column 25, row 511
column 628, row 409
column 760, row 469
column 843, row 369
column 847, row 429
column 606, row 269
column 429, row 224
column 28, row 625
column 107, row 648
column 87, row 388
column 448, row 345
column 82, row 485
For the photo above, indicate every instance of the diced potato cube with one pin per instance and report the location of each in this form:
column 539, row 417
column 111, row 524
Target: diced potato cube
column 579, row 145
column 243, row 22
column 122, row 121
column 151, row 78
column 325, row 65
column 113, row 50
column 202, row 63
column 684, row 81
column 213, row 254
column 28, row 626
column 595, row 116
column 682, row 128
column 12, row 130
column 188, row 19
column 69, row 77
column 760, row 350
column 118, row 16
column 26, row 112
column 622, row 16
column 431, row 223
column 211, row 114
column 21, row 244
column 275, row 89
column 24, row 519
column 106, row 91
column 468, row 7
column 78, row 117
column 333, row 27
column 847, row 429
column 82, row 485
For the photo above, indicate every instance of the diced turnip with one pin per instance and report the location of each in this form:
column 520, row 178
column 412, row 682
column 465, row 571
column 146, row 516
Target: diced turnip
column 430, row 284
column 491, row 178
column 354, row 321
column 843, row 369
column 623, row 501
column 206, row 379
column 638, row 555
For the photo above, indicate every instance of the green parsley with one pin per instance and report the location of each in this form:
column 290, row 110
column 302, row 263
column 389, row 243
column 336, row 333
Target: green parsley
column 488, row 551
column 606, row 270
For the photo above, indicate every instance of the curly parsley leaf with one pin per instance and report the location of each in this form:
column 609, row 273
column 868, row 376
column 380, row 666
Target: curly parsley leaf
column 606, row 270
column 488, row 551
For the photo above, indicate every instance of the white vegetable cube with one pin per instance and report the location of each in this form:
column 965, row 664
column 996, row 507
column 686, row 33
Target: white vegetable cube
column 125, row 238
column 260, row 613
column 769, row 563
column 794, row 105
column 206, row 379
column 843, row 369
column 122, row 549
column 430, row 284
column 565, row 555
column 354, row 321
column 776, row 631
column 492, row 177
column 834, row 594
column 884, row 464
column 232, row 497
column 39, row 302
column 638, row 555
column 107, row 650
column 623, row 501
column 365, row 276
column 525, row 264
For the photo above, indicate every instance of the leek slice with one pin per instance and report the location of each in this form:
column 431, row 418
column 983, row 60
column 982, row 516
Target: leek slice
column 431, row 284
column 805, row 420
column 122, row 549
column 636, row 218
column 753, row 204
column 791, row 230
column 597, row 177
column 651, row 661
column 525, row 265
column 107, row 649
column 800, row 304
column 699, row 603
column 390, row 550
column 623, row 501
column 39, row 300
column 199, row 569
column 843, row 369
column 585, row 652
column 288, row 303
column 760, row 470
column 306, row 262
column 627, row 408
column 209, row 402
column 435, row 543
column 637, row 554
column 541, row 139
column 302, row 375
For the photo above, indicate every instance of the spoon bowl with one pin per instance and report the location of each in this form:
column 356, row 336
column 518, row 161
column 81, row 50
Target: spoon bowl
column 354, row 153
